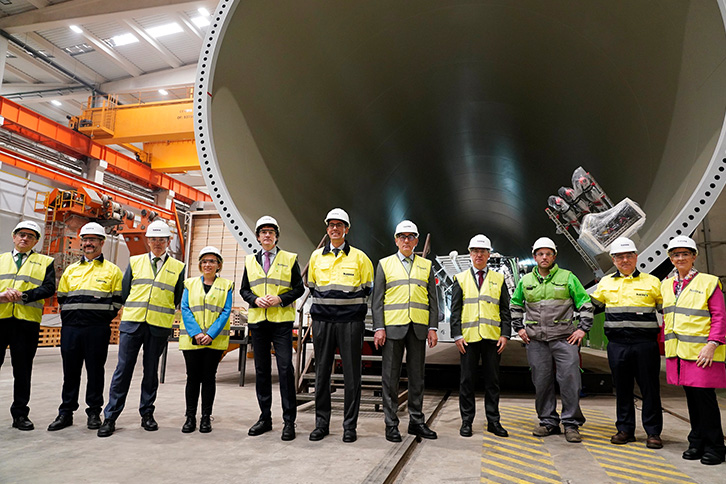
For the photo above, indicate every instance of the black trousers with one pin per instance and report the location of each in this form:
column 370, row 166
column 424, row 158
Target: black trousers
column 630, row 363
column 348, row 338
column 22, row 338
column 81, row 344
column 706, row 432
column 129, row 346
column 486, row 351
column 391, row 372
column 279, row 335
column 202, row 367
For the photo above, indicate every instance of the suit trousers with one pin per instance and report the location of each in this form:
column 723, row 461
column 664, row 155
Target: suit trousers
column 279, row 335
column 630, row 363
column 706, row 432
column 128, row 351
column 81, row 344
column 486, row 351
column 348, row 338
column 391, row 372
column 201, row 365
column 560, row 359
column 22, row 338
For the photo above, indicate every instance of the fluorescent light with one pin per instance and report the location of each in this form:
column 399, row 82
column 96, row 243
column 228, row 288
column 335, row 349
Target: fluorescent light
column 163, row 92
column 76, row 29
column 203, row 12
column 124, row 39
column 166, row 29
column 55, row 102
column 200, row 21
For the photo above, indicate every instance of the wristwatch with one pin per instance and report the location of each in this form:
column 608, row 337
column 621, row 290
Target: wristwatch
column 24, row 297
column 715, row 343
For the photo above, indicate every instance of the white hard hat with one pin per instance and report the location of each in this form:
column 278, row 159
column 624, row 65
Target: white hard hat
column 266, row 220
column 210, row 250
column 406, row 227
column 480, row 242
column 682, row 242
column 338, row 214
column 544, row 243
column 30, row 225
column 621, row 245
column 158, row 228
column 93, row 228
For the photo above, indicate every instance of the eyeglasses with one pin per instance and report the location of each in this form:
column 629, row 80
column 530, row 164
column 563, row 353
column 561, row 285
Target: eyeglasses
column 208, row 261
column 680, row 255
column 479, row 251
column 26, row 235
column 336, row 225
column 628, row 255
column 406, row 237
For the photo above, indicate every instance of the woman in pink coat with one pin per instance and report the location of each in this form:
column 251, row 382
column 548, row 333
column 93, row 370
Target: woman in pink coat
column 694, row 317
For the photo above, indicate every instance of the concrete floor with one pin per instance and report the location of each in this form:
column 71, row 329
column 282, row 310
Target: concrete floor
column 76, row 455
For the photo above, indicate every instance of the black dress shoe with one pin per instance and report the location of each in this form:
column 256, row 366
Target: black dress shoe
column 190, row 425
column 349, row 435
column 61, row 421
column 260, row 427
column 94, row 421
column 23, row 423
column 497, row 429
column 711, row 459
column 107, row 428
column 421, row 430
column 465, row 430
column 318, row 434
column 692, row 453
column 205, row 424
column 288, row 431
column 148, row 422
column 392, row 433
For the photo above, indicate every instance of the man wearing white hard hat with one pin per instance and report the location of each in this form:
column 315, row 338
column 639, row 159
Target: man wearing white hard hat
column 405, row 317
column 152, row 289
column 340, row 279
column 481, row 327
column 551, row 298
column 270, row 285
column 630, row 300
column 89, row 294
column 27, row 278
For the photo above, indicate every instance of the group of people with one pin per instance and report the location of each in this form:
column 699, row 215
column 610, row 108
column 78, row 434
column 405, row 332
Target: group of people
column 550, row 311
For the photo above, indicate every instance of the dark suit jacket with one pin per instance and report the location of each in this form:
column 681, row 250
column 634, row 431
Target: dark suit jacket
column 399, row 332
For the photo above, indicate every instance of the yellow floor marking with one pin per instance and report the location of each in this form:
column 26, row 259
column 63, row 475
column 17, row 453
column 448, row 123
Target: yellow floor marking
column 598, row 454
column 520, row 447
column 529, row 459
column 608, row 467
column 522, row 472
column 508, row 477
column 614, row 450
column 664, row 466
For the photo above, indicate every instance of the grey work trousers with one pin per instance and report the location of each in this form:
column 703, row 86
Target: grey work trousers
column 559, row 358
column 391, row 373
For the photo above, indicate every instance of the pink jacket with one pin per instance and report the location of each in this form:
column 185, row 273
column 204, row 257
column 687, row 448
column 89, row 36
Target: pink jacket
column 687, row 373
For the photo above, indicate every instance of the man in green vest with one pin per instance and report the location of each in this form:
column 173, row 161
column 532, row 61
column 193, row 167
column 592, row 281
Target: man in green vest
column 405, row 317
column 152, row 288
column 481, row 327
column 26, row 280
column 550, row 296
column 270, row 285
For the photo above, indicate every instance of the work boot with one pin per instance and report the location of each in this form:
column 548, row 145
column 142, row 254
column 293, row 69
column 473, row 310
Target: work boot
column 544, row 430
column 148, row 422
column 622, row 438
column 61, row 421
column 94, row 421
column 107, row 428
column 205, row 424
column 190, row 425
column 572, row 435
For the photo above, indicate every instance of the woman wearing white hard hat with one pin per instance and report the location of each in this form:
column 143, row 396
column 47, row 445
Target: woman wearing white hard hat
column 694, row 324
column 204, row 335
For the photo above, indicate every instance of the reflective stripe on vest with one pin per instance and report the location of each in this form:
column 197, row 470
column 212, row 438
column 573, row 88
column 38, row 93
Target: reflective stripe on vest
column 406, row 298
column 277, row 281
column 480, row 312
column 630, row 302
column 548, row 302
column 29, row 276
column 687, row 320
column 146, row 288
column 206, row 308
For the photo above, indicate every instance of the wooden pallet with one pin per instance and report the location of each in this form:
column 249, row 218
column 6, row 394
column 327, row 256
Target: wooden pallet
column 49, row 336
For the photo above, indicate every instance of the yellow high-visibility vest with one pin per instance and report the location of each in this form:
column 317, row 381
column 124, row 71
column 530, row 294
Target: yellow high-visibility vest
column 480, row 312
column 406, row 298
column 687, row 320
column 277, row 281
column 152, row 298
column 29, row 276
column 206, row 308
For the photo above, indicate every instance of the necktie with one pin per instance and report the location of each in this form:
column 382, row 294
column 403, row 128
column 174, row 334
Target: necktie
column 266, row 265
column 155, row 265
column 19, row 260
column 407, row 264
column 480, row 275
column 335, row 251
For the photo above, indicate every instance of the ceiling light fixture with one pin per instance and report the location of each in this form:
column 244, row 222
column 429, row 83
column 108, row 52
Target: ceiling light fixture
column 55, row 102
column 124, row 39
column 200, row 21
column 76, row 29
column 203, row 12
column 163, row 92
column 163, row 30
